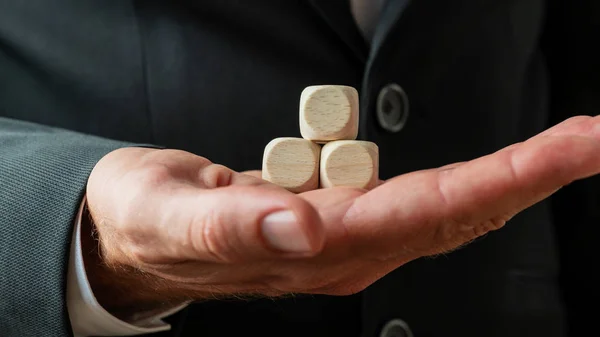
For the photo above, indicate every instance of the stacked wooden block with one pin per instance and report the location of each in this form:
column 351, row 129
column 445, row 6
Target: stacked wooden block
column 328, row 153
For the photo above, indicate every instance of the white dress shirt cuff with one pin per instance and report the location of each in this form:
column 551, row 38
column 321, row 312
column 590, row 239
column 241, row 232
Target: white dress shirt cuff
column 87, row 316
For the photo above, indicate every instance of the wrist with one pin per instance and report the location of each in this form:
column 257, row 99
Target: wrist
column 124, row 291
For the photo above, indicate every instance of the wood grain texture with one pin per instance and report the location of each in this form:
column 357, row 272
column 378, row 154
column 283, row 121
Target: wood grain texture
column 349, row 163
column 329, row 112
column 292, row 163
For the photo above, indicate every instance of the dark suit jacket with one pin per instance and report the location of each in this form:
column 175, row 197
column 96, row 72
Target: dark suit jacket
column 222, row 78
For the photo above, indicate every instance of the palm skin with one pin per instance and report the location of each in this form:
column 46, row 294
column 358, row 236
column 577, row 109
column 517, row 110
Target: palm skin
column 195, row 230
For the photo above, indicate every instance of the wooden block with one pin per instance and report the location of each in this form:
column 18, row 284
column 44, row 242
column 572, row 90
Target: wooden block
column 349, row 163
column 292, row 163
column 329, row 112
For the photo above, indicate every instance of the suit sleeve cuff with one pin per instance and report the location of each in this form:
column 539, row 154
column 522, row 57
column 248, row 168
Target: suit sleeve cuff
column 87, row 316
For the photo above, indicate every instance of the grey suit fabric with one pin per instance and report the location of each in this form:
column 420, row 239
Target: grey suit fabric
column 222, row 78
column 43, row 172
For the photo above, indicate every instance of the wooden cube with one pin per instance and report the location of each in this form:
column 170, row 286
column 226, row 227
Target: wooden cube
column 329, row 112
column 349, row 163
column 292, row 163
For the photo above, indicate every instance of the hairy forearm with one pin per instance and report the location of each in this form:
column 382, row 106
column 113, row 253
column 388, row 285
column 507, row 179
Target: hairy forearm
column 126, row 292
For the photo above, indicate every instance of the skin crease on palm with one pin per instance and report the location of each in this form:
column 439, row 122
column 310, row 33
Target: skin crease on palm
column 195, row 227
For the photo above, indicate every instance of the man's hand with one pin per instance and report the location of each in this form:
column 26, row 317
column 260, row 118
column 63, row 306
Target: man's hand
column 174, row 227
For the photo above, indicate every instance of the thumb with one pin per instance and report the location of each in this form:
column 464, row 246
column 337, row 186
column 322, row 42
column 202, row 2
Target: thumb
column 239, row 223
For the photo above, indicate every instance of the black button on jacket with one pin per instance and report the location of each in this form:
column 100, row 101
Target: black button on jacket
column 222, row 78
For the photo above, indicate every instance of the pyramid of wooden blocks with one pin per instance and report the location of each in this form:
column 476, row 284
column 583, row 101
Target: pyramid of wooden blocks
column 328, row 117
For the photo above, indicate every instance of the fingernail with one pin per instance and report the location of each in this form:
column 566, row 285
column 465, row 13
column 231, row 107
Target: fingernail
column 282, row 231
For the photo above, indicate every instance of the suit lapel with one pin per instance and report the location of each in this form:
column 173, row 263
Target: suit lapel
column 337, row 14
column 390, row 14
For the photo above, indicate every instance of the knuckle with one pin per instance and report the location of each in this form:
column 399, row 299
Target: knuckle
column 443, row 179
column 213, row 238
column 216, row 175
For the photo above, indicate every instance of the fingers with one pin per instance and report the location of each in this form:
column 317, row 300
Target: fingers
column 229, row 224
column 332, row 204
column 441, row 209
column 214, row 175
column 215, row 215
column 571, row 125
column 238, row 223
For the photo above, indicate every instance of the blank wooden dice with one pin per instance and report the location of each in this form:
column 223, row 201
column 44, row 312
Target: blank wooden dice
column 292, row 163
column 329, row 112
column 328, row 115
column 349, row 163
